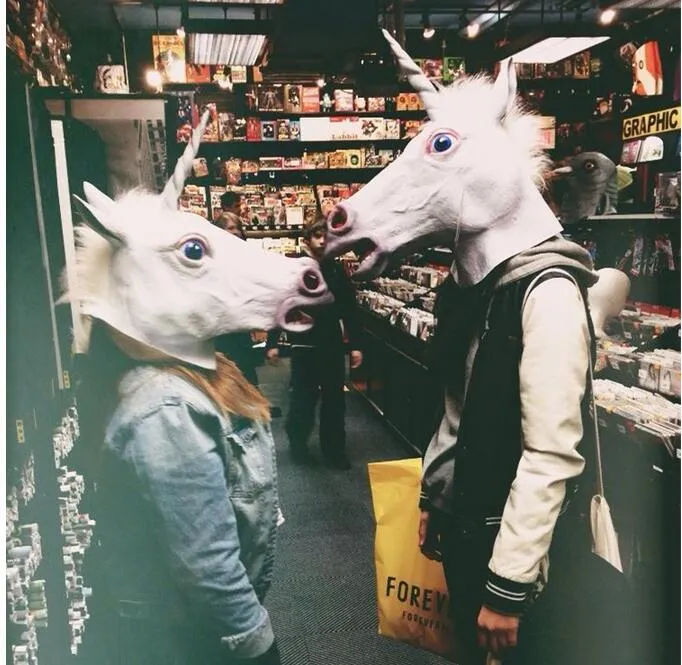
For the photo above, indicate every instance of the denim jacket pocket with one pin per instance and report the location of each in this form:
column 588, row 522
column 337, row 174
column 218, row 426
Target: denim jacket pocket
column 249, row 471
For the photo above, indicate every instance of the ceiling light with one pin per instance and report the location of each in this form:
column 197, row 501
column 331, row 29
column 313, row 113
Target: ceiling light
column 472, row 30
column 217, row 49
column 553, row 49
column 321, row 82
column 607, row 16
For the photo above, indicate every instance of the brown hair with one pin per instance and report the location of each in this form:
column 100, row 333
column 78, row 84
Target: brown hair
column 228, row 388
column 99, row 372
column 320, row 224
column 224, row 218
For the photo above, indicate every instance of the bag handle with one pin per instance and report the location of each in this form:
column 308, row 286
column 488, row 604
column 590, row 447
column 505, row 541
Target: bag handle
column 595, row 423
column 590, row 386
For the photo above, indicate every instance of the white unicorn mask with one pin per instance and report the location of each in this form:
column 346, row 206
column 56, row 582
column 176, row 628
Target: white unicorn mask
column 470, row 175
column 170, row 282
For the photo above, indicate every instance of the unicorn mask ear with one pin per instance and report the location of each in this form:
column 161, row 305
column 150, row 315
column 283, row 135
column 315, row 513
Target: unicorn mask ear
column 98, row 219
column 505, row 87
column 97, row 199
column 418, row 80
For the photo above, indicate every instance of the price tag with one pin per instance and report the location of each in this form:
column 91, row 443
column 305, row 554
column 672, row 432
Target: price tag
column 21, row 438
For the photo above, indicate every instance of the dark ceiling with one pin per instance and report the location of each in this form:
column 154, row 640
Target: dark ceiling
column 321, row 36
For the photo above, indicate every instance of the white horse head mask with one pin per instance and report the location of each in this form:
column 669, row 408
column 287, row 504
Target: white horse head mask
column 470, row 175
column 170, row 282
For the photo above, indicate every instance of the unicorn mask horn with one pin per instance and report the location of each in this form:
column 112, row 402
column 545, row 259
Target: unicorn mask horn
column 167, row 283
column 470, row 175
column 416, row 77
column 173, row 189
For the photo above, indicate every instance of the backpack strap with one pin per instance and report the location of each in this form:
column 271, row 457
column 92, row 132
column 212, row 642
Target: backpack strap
column 558, row 272
column 543, row 276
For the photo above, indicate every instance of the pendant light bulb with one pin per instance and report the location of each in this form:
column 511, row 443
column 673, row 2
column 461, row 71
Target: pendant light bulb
column 472, row 30
column 180, row 32
column 153, row 78
column 607, row 17
column 429, row 31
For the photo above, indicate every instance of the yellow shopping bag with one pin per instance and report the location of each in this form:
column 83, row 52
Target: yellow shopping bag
column 412, row 597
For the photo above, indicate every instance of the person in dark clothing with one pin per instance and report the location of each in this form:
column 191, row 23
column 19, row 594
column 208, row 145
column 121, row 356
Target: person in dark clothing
column 318, row 362
column 238, row 347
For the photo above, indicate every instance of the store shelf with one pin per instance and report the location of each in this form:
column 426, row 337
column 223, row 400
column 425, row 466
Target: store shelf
column 273, row 115
column 302, row 145
column 274, row 233
column 295, row 176
column 599, row 221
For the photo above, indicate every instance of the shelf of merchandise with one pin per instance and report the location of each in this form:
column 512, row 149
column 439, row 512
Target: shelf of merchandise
column 274, row 115
column 38, row 368
column 295, row 177
column 613, row 235
column 396, row 382
column 45, row 593
column 273, row 233
column 272, row 146
column 395, row 378
column 597, row 221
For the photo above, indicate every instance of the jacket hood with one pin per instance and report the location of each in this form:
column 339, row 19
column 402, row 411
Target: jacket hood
column 555, row 252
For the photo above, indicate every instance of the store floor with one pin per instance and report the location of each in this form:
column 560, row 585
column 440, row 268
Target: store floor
column 323, row 600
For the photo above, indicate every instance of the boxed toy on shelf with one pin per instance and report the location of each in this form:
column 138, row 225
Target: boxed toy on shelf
column 284, row 246
column 314, row 160
column 293, row 98
column 330, row 195
column 310, row 99
column 212, row 131
column 270, row 98
column 667, row 193
column 193, row 199
column 410, row 128
column 343, row 99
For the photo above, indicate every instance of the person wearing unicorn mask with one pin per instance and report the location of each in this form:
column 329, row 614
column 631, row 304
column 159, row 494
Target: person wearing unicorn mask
column 180, row 450
column 512, row 346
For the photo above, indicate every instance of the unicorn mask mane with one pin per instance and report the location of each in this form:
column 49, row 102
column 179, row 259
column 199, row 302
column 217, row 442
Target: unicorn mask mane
column 167, row 283
column 472, row 175
column 472, row 93
column 469, row 97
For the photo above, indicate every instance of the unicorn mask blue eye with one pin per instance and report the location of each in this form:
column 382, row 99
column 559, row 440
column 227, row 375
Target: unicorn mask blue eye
column 472, row 174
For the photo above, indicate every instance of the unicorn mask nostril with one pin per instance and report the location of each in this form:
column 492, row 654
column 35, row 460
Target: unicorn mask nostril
column 338, row 219
column 311, row 280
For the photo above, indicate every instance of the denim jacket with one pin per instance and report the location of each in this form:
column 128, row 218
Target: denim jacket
column 188, row 512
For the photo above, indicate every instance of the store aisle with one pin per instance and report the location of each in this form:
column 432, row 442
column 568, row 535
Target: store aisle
column 322, row 601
